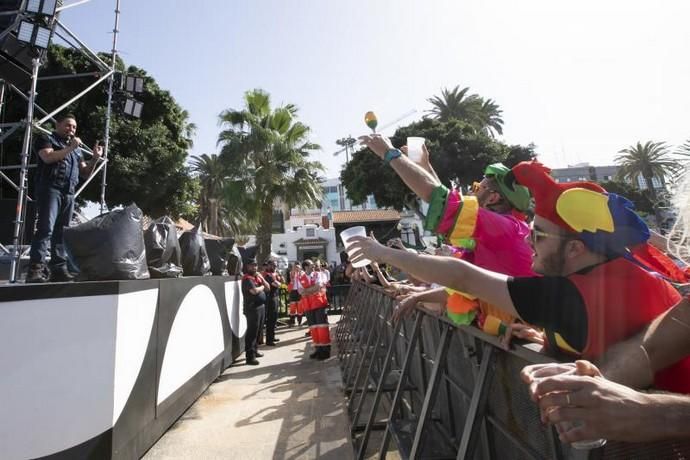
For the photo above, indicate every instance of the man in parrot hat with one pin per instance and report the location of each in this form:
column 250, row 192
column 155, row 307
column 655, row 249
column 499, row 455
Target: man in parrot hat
column 487, row 229
column 592, row 294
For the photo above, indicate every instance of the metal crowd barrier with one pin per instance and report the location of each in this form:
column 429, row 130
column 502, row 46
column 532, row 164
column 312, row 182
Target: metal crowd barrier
column 336, row 297
column 441, row 391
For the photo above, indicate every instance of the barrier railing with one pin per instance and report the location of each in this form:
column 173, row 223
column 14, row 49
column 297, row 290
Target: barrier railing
column 442, row 391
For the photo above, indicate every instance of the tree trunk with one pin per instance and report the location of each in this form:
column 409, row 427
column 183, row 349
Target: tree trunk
column 213, row 216
column 264, row 232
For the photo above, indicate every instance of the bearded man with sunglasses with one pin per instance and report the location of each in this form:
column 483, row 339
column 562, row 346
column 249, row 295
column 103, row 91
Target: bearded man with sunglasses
column 593, row 295
column 487, row 229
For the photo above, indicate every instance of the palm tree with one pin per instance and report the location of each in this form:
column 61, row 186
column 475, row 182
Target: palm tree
column 267, row 151
column 211, row 173
column 648, row 160
column 483, row 115
column 455, row 103
column 490, row 118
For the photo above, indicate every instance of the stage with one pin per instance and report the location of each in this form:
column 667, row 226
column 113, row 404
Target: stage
column 102, row 369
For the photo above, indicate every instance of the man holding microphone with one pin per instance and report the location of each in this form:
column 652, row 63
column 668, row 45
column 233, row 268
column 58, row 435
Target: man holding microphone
column 60, row 162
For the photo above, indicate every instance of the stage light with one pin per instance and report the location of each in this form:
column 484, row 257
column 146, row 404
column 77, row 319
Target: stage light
column 44, row 7
column 134, row 84
column 133, row 108
column 26, row 31
column 33, row 34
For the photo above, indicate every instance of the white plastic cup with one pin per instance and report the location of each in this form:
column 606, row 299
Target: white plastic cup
column 349, row 233
column 414, row 148
column 586, row 444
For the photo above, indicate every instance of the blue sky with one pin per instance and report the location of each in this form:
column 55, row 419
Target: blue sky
column 581, row 80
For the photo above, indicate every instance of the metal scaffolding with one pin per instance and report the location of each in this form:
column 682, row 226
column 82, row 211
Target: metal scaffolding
column 106, row 72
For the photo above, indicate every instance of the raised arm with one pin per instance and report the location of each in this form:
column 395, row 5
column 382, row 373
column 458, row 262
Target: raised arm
column 447, row 271
column 420, row 181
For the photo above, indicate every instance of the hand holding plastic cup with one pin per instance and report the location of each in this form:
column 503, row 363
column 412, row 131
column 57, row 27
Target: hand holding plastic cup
column 349, row 233
column 414, row 148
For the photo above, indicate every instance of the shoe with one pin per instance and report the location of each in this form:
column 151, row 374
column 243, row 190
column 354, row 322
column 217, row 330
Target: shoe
column 324, row 354
column 37, row 274
column 252, row 362
column 60, row 276
column 314, row 355
column 276, row 340
column 258, row 354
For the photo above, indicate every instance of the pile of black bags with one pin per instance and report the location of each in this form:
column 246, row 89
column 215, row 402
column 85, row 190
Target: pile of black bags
column 163, row 253
column 110, row 246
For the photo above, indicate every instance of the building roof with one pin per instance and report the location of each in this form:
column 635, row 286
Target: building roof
column 367, row 215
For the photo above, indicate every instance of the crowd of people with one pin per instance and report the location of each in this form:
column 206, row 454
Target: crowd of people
column 568, row 266
column 307, row 285
column 577, row 276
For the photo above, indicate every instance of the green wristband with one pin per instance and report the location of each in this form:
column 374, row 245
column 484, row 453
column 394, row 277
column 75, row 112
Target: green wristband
column 391, row 155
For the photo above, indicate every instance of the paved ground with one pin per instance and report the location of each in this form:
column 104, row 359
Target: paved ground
column 289, row 407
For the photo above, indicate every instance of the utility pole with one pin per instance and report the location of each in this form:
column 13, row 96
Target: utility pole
column 348, row 143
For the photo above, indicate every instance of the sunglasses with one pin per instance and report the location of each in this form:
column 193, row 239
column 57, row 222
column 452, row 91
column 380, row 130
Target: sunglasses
column 536, row 235
column 477, row 186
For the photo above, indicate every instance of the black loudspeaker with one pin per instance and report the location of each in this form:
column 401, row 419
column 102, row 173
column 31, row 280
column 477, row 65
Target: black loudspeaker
column 15, row 57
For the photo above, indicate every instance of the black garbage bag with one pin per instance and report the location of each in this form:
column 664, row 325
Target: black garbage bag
column 194, row 257
column 248, row 253
column 235, row 262
column 218, row 250
column 163, row 254
column 110, row 246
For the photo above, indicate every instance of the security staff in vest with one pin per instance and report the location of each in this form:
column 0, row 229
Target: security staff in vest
column 59, row 164
column 254, row 291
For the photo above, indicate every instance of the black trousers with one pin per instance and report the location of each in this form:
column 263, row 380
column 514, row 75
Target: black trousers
column 255, row 321
column 271, row 318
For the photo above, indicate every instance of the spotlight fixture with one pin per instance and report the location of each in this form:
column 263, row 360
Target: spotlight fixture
column 133, row 108
column 33, row 34
column 134, row 84
column 43, row 7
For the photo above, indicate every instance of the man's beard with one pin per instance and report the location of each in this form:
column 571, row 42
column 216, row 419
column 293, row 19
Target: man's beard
column 554, row 264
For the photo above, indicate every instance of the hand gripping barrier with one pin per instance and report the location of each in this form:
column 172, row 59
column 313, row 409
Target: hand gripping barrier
column 442, row 391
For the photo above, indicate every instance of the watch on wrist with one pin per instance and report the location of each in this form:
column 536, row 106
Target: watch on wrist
column 391, row 155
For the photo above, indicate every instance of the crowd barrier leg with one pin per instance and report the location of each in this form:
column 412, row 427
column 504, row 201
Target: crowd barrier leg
column 374, row 374
column 371, row 420
column 357, row 338
column 343, row 331
column 477, row 406
column 367, row 354
column 397, row 397
column 432, row 391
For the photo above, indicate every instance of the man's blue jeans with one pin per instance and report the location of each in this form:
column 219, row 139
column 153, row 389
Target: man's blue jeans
column 54, row 213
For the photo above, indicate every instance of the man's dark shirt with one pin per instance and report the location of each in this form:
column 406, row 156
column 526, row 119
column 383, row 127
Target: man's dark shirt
column 252, row 300
column 62, row 175
column 552, row 303
column 271, row 277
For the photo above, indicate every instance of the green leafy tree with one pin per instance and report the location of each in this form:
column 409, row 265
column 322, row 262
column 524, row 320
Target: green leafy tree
column 458, row 153
column 147, row 156
column 641, row 200
column 266, row 151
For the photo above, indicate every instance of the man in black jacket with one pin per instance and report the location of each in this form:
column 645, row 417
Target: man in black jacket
column 254, row 291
